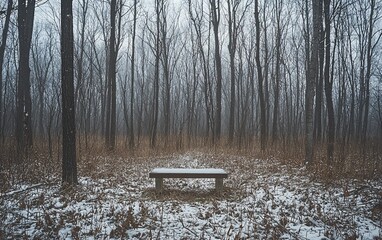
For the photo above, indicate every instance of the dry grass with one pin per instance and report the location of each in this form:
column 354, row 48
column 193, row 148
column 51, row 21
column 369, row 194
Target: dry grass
column 350, row 161
column 278, row 172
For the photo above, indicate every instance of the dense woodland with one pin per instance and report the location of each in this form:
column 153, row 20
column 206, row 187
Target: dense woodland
column 301, row 78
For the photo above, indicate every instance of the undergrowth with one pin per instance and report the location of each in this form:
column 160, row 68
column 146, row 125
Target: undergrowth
column 40, row 164
column 268, row 194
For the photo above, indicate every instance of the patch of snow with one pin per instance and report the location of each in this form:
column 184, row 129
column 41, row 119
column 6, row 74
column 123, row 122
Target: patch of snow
column 262, row 200
column 189, row 171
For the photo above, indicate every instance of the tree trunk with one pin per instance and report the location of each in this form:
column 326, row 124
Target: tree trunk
column 329, row 86
column 69, row 164
column 112, row 75
column 260, row 81
column 166, row 75
column 131, row 142
column 197, row 21
column 317, row 134
column 369, row 54
column 277, row 74
column 310, row 82
column 141, row 86
column 23, row 102
column 265, row 74
column 2, row 52
column 215, row 12
column 154, row 125
column 232, row 50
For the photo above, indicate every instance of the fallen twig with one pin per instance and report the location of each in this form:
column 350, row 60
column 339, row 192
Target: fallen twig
column 181, row 221
column 20, row 191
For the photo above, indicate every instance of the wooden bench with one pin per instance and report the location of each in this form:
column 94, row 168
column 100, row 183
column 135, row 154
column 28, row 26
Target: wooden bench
column 160, row 173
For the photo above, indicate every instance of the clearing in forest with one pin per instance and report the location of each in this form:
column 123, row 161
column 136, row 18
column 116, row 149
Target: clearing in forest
column 262, row 199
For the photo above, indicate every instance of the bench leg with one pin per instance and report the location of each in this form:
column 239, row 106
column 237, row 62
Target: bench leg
column 219, row 184
column 159, row 184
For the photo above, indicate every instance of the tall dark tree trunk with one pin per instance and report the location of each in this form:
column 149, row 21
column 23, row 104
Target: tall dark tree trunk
column 277, row 74
column 112, row 83
column 191, row 115
column 112, row 72
column 141, row 85
column 311, row 80
column 329, row 85
column 307, row 38
column 317, row 134
column 2, row 52
column 23, row 100
column 80, row 88
column 166, row 74
column 107, row 108
column 215, row 12
column 265, row 72
column 131, row 142
column 154, row 124
column 263, row 125
column 69, row 163
column 232, row 32
column 351, row 131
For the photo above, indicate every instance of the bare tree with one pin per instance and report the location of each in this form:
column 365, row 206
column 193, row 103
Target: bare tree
column 116, row 9
column 329, row 84
column 23, row 101
column 260, row 79
column 379, row 110
column 191, row 86
column 265, row 58
column 111, row 86
column 9, row 88
column 131, row 142
column 159, row 5
column 369, row 54
column 165, row 60
column 215, row 21
column 2, row 52
column 235, row 22
column 80, row 86
column 101, row 62
column 192, row 77
column 311, row 80
column 196, row 17
column 69, row 163
column 278, row 10
column 319, row 87
column 141, row 85
column 42, row 55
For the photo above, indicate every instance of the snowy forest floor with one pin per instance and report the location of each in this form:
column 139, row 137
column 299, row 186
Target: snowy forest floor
column 262, row 199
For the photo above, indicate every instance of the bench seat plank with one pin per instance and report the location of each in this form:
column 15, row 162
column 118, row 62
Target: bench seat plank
column 188, row 173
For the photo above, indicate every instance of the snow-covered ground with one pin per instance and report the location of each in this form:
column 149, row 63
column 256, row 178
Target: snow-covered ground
column 262, row 199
